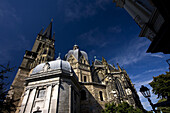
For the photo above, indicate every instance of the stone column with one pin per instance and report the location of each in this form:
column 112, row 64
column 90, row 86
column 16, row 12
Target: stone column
column 25, row 100
column 70, row 95
column 54, row 99
column 30, row 101
column 47, row 99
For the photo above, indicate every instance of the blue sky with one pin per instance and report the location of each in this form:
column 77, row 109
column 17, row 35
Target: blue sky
column 98, row 27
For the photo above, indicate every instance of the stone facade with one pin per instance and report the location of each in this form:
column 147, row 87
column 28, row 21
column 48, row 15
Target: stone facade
column 42, row 51
column 72, row 85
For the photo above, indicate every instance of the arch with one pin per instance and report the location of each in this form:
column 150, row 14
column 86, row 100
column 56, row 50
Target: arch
column 83, row 95
column 101, row 95
column 119, row 88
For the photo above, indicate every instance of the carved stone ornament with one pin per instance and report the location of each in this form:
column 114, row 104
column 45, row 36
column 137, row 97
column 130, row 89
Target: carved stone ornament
column 46, row 67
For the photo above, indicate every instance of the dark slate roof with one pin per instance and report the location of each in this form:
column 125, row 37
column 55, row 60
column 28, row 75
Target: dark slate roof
column 41, row 32
column 48, row 31
column 77, row 54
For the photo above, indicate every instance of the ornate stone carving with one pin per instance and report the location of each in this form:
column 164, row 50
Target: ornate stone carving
column 46, row 67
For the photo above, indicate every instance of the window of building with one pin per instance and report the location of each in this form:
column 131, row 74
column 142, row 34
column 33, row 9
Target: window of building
column 45, row 51
column 120, row 88
column 83, row 95
column 49, row 52
column 101, row 95
column 85, row 79
column 41, row 93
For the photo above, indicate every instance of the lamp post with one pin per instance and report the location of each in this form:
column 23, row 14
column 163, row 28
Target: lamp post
column 146, row 93
column 168, row 61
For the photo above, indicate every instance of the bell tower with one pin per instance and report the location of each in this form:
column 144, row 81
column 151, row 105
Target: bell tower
column 43, row 50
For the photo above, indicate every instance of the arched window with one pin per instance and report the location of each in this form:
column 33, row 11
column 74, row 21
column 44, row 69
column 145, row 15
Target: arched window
column 83, row 95
column 49, row 52
column 45, row 51
column 119, row 87
column 101, row 95
column 85, row 80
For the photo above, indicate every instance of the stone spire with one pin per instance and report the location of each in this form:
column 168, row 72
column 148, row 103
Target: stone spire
column 41, row 32
column 47, row 33
column 119, row 67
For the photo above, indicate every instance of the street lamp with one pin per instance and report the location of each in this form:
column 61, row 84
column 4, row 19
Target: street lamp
column 146, row 93
column 168, row 61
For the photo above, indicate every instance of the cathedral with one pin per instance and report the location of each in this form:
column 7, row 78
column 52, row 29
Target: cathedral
column 69, row 85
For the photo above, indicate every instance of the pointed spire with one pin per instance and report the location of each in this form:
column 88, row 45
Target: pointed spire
column 53, row 38
column 41, row 32
column 103, row 60
column 48, row 31
column 119, row 67
column 59, row 56
column 114, row 66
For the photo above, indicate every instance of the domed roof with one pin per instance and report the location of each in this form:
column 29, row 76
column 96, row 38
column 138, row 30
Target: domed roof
column 76, row 53
column 52, row 65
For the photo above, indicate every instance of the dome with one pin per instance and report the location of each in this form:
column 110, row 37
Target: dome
column 76, row 53
column 57, row 64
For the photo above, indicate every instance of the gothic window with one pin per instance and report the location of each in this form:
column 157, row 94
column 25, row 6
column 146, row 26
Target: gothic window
column 83, row 95
column 101, row 95
column 85, row 80
column 45, row 51
column 119, row 88
column 49, row 53
column 41, row 93
column 39, row 47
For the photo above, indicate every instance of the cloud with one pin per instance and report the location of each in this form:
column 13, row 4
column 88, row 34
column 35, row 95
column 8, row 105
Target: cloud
column 8, row 13
column 138, row 84
column 115, row 29
column 76, row 9
column 148, row 72
column 156, row 55
column 94, row 37
column 133, row 52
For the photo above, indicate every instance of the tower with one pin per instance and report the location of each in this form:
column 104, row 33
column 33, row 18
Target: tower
column 43, row 50
column 80, row 64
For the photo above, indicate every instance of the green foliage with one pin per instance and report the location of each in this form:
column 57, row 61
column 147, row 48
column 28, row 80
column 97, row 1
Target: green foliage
column 121, row 108
column 161, row 85
column 163, row 109
column 109, row 108
column 5, row 105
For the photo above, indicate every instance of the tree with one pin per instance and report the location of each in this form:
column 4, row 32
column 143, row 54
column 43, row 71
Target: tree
column 109, row 108
column 161, row 85
column 6, row 105
column 163, row 109
column 121, row 108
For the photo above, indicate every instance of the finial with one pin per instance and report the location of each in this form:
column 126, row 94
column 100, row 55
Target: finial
column 59, row 56
column 94, row 57
column 51, row 19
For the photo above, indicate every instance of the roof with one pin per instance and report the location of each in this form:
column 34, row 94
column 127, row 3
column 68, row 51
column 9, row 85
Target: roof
column 57, row 64
column 76, row 53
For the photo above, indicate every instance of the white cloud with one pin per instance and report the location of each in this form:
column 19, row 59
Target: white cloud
column 156, row 55
column 76, row 9
column 133, row 52
column 152, row 71
column 8, row 13
column 115, row 29
column 138, row 84
column 94, row 37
